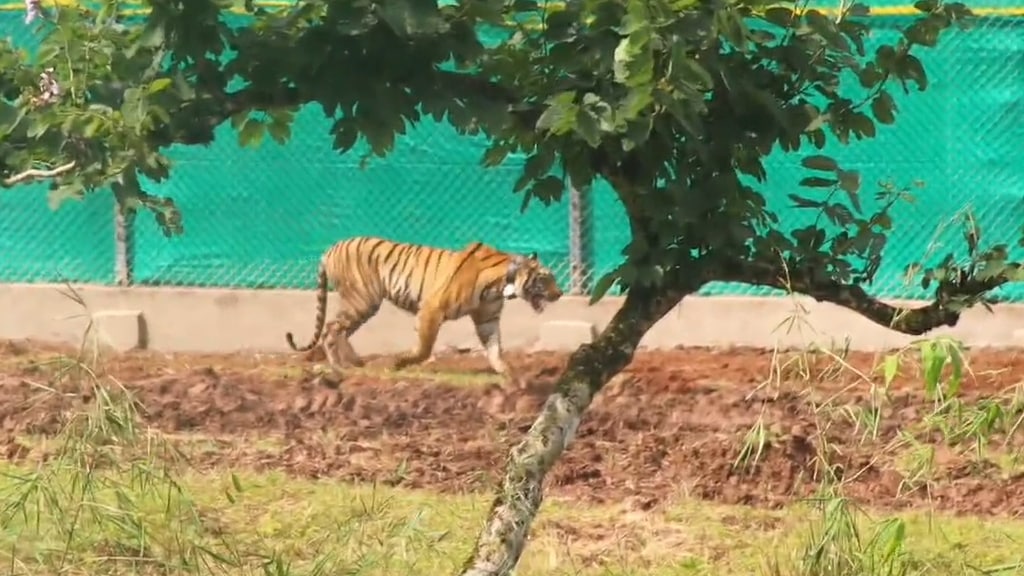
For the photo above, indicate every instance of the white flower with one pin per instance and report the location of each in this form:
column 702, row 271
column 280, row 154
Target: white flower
column 33, row 10
column 49, row 88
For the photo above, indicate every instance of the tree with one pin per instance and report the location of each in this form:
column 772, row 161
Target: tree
column 675, row 103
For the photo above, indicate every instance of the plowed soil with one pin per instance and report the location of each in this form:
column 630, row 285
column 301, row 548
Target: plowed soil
column 673, row 425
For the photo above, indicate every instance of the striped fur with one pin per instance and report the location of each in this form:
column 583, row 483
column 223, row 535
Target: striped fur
column 435, row 284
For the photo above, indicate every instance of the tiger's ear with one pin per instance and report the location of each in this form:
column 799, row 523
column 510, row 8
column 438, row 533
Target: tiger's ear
column 532, row 256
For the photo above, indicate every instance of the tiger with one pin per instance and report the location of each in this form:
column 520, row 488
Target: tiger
column 434, row 284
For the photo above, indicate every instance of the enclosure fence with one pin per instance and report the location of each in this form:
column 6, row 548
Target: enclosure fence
column 260, row 218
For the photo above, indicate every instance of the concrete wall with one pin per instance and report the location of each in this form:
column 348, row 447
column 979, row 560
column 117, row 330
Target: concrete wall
column 218, row 320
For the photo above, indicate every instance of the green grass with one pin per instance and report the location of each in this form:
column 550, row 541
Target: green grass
column 223, row 523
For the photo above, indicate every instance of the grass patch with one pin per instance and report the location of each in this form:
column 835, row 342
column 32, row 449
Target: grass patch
column 271, row 523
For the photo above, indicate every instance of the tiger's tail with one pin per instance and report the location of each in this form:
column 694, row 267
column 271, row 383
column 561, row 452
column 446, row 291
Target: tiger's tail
column 321, row 311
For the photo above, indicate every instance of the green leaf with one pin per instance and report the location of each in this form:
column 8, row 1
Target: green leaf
column 861, row 124
column 637, row 133
column 826, row 28
column 801, row 202
column 816, row 123
column 634, row 105
column 858, row 10
column 870, row 76
column 152, row 35
column 10, row 117
column 560, row 115
column 780, row 16
column 281, row 132
column 36, row 128
column 910, row 68
column 133, row 108
column 495, row 155
column 48, row 53
column 413, row 17
column 251, row 134
column 92, row 127
column 924, row 32
column 588, row 126
column 70, row 191
column 158, row 85
column 883, row 107
column 238, row 120
column 538, row 165
column 345, row 135
column 547, row 189
column 849, row 182
column 602, row 286
column 818, row 182
column 730, row 25
column 633, row 63
column 819, row 162
column 689, row 71
column 972, row 233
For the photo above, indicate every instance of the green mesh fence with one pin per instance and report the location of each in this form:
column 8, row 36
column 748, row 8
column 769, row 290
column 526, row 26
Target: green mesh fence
column 261, row 218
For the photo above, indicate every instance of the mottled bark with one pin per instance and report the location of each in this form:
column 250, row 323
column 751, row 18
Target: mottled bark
column 502, row 539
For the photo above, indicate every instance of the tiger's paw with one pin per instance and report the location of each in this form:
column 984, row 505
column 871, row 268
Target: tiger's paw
column 328, row 380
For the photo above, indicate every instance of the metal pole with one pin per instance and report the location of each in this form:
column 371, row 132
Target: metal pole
column 578, row 269
column 122, row 247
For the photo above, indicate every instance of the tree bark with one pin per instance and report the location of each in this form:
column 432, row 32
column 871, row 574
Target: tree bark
column 912, row 320
column 501, row 542
column 34, row 174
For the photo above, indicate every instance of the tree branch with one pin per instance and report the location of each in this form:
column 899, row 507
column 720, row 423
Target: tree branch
column 502, row 539
column 34, row 174
column 916, row 321
column 195, row 121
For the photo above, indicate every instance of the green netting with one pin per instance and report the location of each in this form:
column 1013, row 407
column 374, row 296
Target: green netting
column 959, row 137
column 260, row 218
column 74, row 244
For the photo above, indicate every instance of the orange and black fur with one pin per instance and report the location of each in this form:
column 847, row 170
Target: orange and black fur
column 435, row 284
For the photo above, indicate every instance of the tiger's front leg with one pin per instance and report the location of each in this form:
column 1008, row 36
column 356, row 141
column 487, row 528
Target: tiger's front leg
column 488, row 330
column 428, row 324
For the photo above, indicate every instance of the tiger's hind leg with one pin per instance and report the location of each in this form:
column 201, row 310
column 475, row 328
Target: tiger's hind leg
column 428, row 324
column 337, row 347
column 336, row 344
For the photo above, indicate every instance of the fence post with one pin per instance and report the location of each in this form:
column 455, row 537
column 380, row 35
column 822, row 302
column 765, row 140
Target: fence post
column 123, row 249
column 579, row 241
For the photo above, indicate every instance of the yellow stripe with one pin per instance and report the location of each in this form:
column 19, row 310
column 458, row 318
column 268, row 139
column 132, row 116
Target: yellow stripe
column 908, row 10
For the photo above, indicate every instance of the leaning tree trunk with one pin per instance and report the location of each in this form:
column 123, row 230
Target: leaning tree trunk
column 503, row 538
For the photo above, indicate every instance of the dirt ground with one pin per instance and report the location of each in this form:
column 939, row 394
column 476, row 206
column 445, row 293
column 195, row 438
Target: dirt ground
column 673, row 426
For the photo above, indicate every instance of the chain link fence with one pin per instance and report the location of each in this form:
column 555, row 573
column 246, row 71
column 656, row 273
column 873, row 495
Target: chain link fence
column 260, row 218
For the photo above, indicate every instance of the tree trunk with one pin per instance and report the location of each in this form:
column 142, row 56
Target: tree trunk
column 503, row 538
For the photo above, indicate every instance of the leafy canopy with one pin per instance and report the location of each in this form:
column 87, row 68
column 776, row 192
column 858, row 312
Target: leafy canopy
column 676, row 103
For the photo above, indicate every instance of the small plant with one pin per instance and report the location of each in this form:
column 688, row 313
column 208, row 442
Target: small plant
column 918, row 464
column 106, row 484
column 836, row 545
column 104, row 495
column 754, row 443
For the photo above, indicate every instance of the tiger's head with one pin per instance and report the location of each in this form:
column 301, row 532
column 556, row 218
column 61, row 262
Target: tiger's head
column 530, row 280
